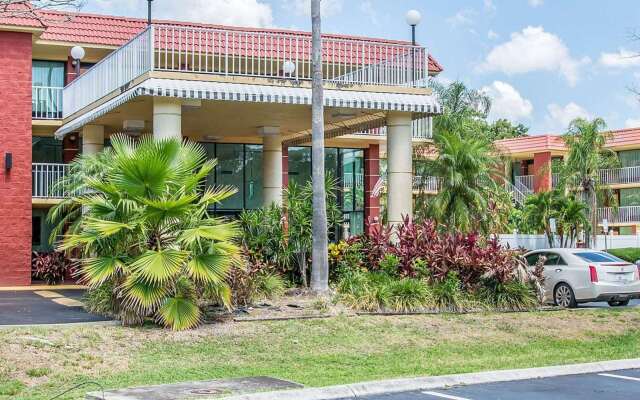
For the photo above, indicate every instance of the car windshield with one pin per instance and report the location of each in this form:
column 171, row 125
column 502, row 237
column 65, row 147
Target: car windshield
column 597, row 256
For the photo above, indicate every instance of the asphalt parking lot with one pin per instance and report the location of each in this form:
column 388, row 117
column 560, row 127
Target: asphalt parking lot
column 614, row 385
column 47, row 306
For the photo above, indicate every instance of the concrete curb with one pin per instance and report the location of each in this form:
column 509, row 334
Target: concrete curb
column 64, row 324
column 358, row 390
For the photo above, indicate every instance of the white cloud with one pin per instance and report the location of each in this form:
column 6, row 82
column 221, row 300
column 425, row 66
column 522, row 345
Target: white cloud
column 254, row 13
column 461, row 18
column 303, row 7
column 492, row 35
column 489, row 6
column 632, row 123
column 622, row 59
column 560, row 117
column 367, row 9
column 536, row 3
column 506, row 102
column 533, row 49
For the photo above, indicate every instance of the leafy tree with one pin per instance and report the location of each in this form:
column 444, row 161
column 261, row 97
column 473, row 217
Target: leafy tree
column 568, row 212
column 504, row 129
column 469, row 174
column 587, row 156
column 145, row 231
column 465, row 110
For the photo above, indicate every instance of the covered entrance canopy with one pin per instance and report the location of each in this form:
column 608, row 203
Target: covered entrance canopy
column 347, row 110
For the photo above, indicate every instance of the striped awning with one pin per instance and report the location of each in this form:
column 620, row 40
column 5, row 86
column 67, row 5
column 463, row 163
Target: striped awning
column 279, row 94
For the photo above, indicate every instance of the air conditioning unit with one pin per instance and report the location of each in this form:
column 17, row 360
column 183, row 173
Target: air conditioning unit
column 133, row 126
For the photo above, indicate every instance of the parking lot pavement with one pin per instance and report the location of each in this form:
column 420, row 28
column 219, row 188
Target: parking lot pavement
column 614, row 385
column 632, row 303
column 46, row 306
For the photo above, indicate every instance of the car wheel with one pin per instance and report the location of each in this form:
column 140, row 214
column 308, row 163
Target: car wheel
column 563, row 296
column 622, row 303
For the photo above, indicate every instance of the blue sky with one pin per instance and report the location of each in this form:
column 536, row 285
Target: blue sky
column 543, row 62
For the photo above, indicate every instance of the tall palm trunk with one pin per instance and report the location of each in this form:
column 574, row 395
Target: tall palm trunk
column 594, row 221
column 320, row 262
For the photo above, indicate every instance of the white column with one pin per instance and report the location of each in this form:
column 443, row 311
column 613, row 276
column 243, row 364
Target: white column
column 92, row 139
column 399, row 170
column 271, row 165
column 167, row 118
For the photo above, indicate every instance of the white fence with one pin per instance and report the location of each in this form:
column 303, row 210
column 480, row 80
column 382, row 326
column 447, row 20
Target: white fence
column 535, row 242
column 620, row 175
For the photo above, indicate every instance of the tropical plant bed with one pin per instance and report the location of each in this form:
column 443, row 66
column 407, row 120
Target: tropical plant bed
column 37, row 363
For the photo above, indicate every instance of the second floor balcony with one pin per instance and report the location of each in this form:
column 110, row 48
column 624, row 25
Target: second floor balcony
column 250, row 54
column 46, row 102
column 44, row 179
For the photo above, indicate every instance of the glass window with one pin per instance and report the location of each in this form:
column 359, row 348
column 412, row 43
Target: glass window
column 46, row 150
column 253, row 176
column 630, row 197
column 229, row 172
column 598, row 256
column 299, row 165
column 36, row 230
column 47, row 73
column 554, row 259
column 629, row 158
column 532, row 259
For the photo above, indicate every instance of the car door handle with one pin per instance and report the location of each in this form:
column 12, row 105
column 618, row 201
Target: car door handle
column 558, row 269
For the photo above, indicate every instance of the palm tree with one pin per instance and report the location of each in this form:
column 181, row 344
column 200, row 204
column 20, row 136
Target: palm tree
column 465, row 109
column 468, row 171
column 587, row 155
column 320, row 258
column 573, row 219
column 145, row 232
column 539, row 208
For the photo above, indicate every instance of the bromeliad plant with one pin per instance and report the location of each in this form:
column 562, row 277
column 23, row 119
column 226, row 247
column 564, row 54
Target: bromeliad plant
column 145, row 231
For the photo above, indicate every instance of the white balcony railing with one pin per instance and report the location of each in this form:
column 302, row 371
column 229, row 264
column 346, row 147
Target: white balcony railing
column 523, row 182
column 555, row 180
column 426, row 183
column 44, row 176
column 348, row 179
column 247, row 53
column 627, row 214
column 620, row 175
column 46, row 102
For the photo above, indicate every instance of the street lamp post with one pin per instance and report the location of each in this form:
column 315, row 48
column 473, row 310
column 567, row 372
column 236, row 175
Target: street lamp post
column 77, row 54
column 149, row 11
column 413, row 18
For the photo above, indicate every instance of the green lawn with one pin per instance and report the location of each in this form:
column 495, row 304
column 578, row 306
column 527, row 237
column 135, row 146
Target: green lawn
column 630, row 254
column 38, row 363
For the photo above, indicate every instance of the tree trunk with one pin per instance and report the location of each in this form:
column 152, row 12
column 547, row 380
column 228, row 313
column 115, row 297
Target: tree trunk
column 594, row 221
column 320, row 261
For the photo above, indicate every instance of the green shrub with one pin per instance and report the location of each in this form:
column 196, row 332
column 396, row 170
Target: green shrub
column 38, row 372
column 630, row 254
column 407, row 295
column 101, row 300
column 447, row 294
column 389, row 264
column 269, row 285
column 514, row 296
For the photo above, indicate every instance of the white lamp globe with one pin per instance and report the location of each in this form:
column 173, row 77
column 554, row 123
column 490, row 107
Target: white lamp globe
column 288, row 67
column 77, row 53
column 413, row 17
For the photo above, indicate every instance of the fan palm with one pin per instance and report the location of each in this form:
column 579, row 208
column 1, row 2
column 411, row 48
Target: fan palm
column 145, row 229
column 468, row 171
column 539, row 208
column 587, row 155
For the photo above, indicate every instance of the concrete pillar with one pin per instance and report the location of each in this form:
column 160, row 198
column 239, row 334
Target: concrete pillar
column 271, row 165
column 167, row 118
column 399, row 167
column 542, row 172
column 92, row 139
column 285, row 166
column 371, row 177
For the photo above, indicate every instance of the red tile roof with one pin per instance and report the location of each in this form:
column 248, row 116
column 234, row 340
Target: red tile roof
column 531, row 144
column 105, row 30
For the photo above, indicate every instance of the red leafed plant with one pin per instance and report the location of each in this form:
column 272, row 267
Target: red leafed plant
column 471, row 257
column 52, row 267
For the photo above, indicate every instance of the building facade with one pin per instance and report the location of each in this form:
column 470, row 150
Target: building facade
column 244, row 93
column 535, row 164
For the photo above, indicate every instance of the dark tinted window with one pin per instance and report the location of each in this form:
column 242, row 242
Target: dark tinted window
column 554, row 259
column 597, row 256
column 532, row 259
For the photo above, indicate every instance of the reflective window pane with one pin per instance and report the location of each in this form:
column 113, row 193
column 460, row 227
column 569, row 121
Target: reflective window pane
column 229, row 172
column 253, row 176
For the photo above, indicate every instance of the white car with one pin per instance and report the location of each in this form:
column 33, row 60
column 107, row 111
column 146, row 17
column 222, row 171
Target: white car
column 575, row 276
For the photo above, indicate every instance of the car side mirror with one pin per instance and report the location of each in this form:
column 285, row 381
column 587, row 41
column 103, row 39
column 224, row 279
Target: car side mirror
column 637, row 263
